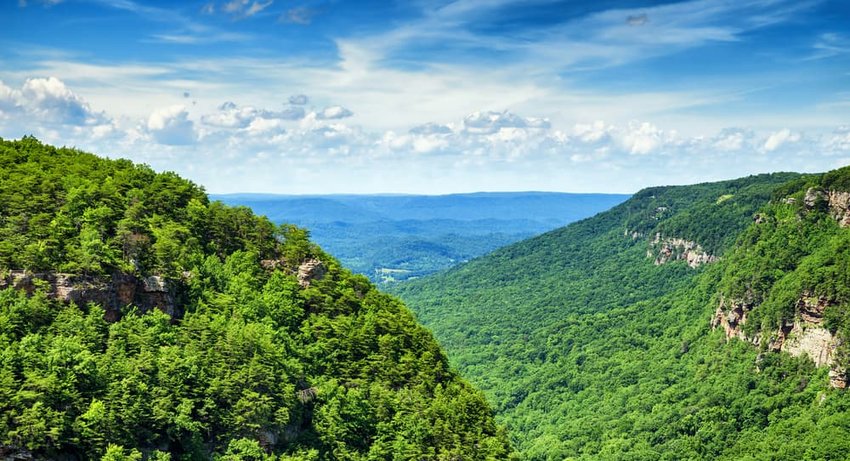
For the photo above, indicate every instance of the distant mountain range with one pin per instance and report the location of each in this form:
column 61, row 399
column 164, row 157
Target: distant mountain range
column 397, row 237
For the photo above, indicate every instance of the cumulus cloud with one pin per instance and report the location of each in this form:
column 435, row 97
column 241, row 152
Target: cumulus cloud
column 780, row 138
column 644, row 138
column 839, row 140
column 592, row 133
column 51, row 100
column 8, row 100
column 492, row 122
column 171, row 125
column 229, row 115
column 431, row 129
column 733, row 139
column 497, row 149
column 288, row 113
column 298, row 99
column 334, row 113
column 47, row 102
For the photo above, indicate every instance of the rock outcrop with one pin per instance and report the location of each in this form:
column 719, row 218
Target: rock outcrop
column 839, row 207
column 309, row 270
column 838, row 378
column 805, row 335
column 678, row 249
column 836, row 202
column 114, row 293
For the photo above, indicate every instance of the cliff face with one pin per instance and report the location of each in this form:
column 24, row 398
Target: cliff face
column 114, row 293
column 839, row 206
column 805, row 334
column 678, row 249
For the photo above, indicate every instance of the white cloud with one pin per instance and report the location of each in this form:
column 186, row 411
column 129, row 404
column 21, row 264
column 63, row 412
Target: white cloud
column 493, row 122
column 592, row 133
column 251, row 148
column 839, row 140
column 733, row 139
column 171, row 125
column 334, row 113
column 430, row 129
column 8, row 101
column 229, row 115
column 51, row 100
column 780, row 138
column 644, row 138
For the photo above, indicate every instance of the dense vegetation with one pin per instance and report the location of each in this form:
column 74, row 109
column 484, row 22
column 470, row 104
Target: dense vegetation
column 796, row 247
column 590, row 351
column 262, row 366
column 391, row 238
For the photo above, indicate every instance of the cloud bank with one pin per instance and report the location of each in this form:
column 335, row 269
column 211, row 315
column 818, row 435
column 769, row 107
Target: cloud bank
column 295, row 150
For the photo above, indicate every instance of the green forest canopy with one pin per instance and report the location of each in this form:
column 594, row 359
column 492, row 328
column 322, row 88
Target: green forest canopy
column 590, row 351
column 262, row 366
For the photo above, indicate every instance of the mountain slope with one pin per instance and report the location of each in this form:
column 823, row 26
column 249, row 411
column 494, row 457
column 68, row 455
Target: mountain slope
column 177, row 328
column 594, row 341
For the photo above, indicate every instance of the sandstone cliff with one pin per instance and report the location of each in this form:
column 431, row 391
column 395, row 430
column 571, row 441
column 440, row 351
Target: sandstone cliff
column 666, row 249
column 114, row 293
column 805, row 335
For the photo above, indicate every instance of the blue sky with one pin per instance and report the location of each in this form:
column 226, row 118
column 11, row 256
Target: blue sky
column 324, row 96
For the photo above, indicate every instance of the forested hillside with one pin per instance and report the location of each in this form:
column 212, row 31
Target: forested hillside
column 215, row 333
column 617, row 337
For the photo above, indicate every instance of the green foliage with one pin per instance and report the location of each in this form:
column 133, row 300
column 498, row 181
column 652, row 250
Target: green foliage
column 838, row 180
column 76, row 212
column 589, row 351
column 259, row 367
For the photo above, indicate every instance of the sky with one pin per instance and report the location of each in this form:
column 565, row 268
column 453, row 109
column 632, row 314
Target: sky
column 433, row 97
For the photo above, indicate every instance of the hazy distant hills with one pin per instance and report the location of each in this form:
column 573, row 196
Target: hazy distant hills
column 396, row 237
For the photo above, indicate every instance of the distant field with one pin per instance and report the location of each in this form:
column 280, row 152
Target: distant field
column 391, row 238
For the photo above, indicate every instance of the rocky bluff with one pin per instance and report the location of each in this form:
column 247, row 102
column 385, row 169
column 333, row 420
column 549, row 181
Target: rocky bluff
column 114, row 292
column 119, row 291
column 804, row 334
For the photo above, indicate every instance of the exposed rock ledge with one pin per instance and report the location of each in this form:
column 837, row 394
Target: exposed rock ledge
column 839, row 206
column 309, row 270
column 804, row 336
column 678, row 249
column 837, row 201
column 114, row 293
